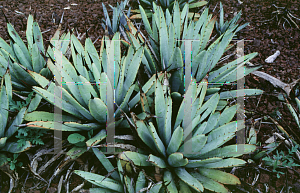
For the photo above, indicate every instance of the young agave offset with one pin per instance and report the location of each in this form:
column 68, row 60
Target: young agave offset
column 189, row 152
column 118, row 20
column 221, row 27
column 8, row 124
column 168, row 4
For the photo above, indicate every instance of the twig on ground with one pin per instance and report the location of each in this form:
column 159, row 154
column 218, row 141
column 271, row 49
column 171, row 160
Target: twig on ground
column 274, row 81
column 46, row 31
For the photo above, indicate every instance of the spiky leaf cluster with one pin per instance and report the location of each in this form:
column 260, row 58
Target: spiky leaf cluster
column 169, row 37
column 190, row 148
column 181, row 130
column 18, row 57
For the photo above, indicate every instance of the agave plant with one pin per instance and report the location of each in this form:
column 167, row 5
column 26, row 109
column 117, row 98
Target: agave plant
column 116, row 181
column 189, row 153
column 20, row 56
column 9, row 124
column 221, row 27
column 118, row 20
column 84, row 90
column 165, row 48
column 63, row 39
column 168, row 4
column 86, row 104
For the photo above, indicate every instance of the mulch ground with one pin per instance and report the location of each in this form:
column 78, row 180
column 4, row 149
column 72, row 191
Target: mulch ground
column 266, row 39
column 259, row 37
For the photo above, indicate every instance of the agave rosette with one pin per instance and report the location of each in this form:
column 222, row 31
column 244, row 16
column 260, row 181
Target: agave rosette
column 164, row 52
column 85, row 86
column 209, row 129
column 19, row 57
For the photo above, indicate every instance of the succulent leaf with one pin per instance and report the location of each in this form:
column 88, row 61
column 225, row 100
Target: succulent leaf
column 100, row 181
column 137, row 158
column 177, row 160
column 219, row 176
column 209, row 183
column 169, row 180
column 189, row 179
column 175, row 141
column 157, row 161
